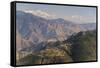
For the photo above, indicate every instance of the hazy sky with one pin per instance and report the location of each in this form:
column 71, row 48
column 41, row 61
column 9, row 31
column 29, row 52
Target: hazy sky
column 72, row 13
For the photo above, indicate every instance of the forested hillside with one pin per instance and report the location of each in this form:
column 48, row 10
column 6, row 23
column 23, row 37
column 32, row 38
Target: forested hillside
column 78, row 47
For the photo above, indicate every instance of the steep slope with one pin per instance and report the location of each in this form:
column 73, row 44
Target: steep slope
column 36, row 29
column 83, row 46
column 39, row 36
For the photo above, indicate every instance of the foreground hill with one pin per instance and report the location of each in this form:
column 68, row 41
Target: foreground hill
column 83, row 46
column 78, row 47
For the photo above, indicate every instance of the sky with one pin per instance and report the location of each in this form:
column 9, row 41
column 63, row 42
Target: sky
column 72, row 13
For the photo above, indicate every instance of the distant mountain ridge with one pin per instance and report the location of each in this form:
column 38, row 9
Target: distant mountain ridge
column 40, row 13
column 33, row 29
column 88, row 26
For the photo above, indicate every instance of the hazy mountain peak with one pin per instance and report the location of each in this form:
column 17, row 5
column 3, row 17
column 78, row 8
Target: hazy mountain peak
column 41, row 13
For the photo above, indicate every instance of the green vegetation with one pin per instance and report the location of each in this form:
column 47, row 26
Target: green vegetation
column 79, row 47
column 51, row 54
column 30, row 60
column 83, row 46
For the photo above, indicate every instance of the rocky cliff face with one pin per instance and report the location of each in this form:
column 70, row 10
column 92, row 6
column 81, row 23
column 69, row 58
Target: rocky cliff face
column 32, row 29
column 43, row 41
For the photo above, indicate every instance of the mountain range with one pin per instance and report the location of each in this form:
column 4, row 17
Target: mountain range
column 33, row 29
